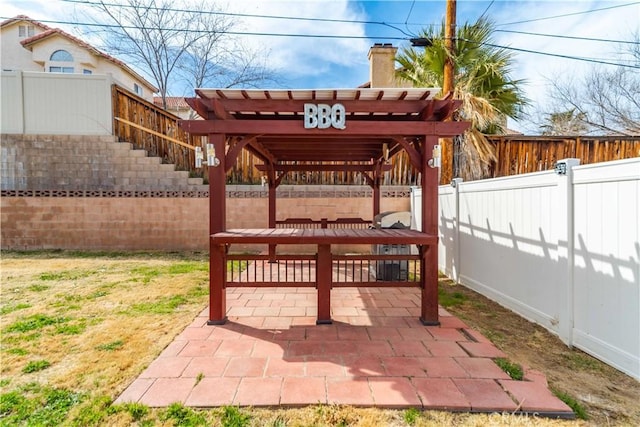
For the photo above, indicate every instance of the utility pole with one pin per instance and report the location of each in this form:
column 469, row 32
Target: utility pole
column 450, row 146
column 449, row 41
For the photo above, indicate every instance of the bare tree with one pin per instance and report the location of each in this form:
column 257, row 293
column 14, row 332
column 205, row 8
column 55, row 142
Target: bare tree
column 212, row 62
column 564, row 123
column 168, row 39
column 606, row 100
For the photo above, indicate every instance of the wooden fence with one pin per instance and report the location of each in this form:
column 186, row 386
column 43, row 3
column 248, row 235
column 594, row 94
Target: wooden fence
column 516, row 154
column 132, row 108
column 523, row 154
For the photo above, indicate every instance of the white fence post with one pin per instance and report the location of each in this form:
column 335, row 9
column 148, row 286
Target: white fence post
column 565, row 246
column 457, row 267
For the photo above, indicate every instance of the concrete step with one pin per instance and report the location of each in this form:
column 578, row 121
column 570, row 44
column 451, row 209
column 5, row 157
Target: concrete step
column 85, row 163
column 195, row 181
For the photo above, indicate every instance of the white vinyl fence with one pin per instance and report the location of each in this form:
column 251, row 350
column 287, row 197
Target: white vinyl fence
column 55, row 103
column 560, row 250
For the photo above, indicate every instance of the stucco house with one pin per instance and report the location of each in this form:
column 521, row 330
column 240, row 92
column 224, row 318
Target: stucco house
column 29, row 45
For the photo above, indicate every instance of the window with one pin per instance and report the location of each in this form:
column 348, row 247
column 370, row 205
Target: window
column 26, row 31
column 61, row 55
column 85, row 71
column 61, row 69
column 137, row 89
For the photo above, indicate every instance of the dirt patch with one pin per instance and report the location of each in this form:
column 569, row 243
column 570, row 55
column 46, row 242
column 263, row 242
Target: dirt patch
column 609, row 396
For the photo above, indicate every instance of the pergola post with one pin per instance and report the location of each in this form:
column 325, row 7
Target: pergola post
column 323, row 278
column 377, row 184
column 429, row 270
column 376, row 198
column 271, row 180
column 217, row 223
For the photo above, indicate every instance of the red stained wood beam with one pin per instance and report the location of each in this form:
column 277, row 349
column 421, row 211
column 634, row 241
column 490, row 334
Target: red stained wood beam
column 369, row 179
column 414, row 156
column 296, row 127
column 263, row 153
column 234, row 151
column 219, row 110
column 446, row 111
column 198, row 106
column 352, row 106
column 319, row 168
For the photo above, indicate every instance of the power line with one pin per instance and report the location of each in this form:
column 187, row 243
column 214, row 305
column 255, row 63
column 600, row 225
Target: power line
column 486, row 10
column 349, row 21
column 406, row 21
column 248, row 15
column 328, row 36
column 387, row 24
column 567, row 37
column 557, row 55
column 235, row 33
column 568, row 14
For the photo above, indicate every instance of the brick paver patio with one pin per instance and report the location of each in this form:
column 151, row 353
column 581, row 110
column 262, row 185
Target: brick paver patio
column 376, row 353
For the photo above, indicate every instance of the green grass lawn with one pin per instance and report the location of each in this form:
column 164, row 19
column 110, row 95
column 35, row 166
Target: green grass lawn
column 77, row 328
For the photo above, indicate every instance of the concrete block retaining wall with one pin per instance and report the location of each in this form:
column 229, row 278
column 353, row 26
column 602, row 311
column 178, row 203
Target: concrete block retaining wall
column 98, row 221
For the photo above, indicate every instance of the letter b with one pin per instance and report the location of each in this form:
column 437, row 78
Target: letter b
column 310, row 116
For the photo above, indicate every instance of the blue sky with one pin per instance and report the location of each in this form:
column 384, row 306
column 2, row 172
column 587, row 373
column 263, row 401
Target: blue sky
column 307, row 62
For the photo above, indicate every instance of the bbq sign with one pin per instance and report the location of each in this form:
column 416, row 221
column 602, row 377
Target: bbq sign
column 324, row 116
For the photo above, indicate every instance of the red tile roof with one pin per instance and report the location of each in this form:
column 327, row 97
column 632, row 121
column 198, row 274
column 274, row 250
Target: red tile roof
column 173, row 102
column 20, row 18
column 50, row 32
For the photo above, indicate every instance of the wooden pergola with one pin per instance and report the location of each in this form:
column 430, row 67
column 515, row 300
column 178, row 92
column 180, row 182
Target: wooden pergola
column 324, row 130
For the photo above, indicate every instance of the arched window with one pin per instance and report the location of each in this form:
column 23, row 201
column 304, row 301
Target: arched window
column 61, row 55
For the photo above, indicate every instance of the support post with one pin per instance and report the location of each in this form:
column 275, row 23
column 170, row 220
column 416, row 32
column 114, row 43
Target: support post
column 377, row 179
column 564, row 210
column 429, row 270
column 217, row 285
column 451, row 148
column 217, row 223
column 457, row 266
column 272, row 211
column 323, row 282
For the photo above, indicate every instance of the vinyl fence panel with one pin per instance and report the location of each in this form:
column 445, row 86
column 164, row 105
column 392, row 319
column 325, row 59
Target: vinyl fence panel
column 606, row 267
column 562, row 250
column 57, row 103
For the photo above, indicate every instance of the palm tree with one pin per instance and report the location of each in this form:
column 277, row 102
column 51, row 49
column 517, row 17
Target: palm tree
column 483, row 84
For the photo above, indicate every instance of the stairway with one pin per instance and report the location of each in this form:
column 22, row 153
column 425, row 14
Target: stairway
column 74, row 162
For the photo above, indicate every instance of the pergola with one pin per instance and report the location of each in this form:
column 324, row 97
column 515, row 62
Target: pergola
column 324, row 130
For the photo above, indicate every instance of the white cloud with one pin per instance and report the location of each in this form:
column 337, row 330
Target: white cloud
column 301, row 56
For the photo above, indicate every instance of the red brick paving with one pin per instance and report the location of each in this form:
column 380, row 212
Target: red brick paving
column 349, row 391
column 303, row 391
column 259, row 391
column 533, row 396
column 271, row 353
column 394, row 393
column 440, row 393
column 485, row 395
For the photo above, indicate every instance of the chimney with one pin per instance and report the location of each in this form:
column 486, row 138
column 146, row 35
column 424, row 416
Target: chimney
column 382, row 65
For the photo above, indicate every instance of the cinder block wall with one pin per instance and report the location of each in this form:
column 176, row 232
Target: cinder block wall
column 80, row 162
column 156, row 223
column 93, row 193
